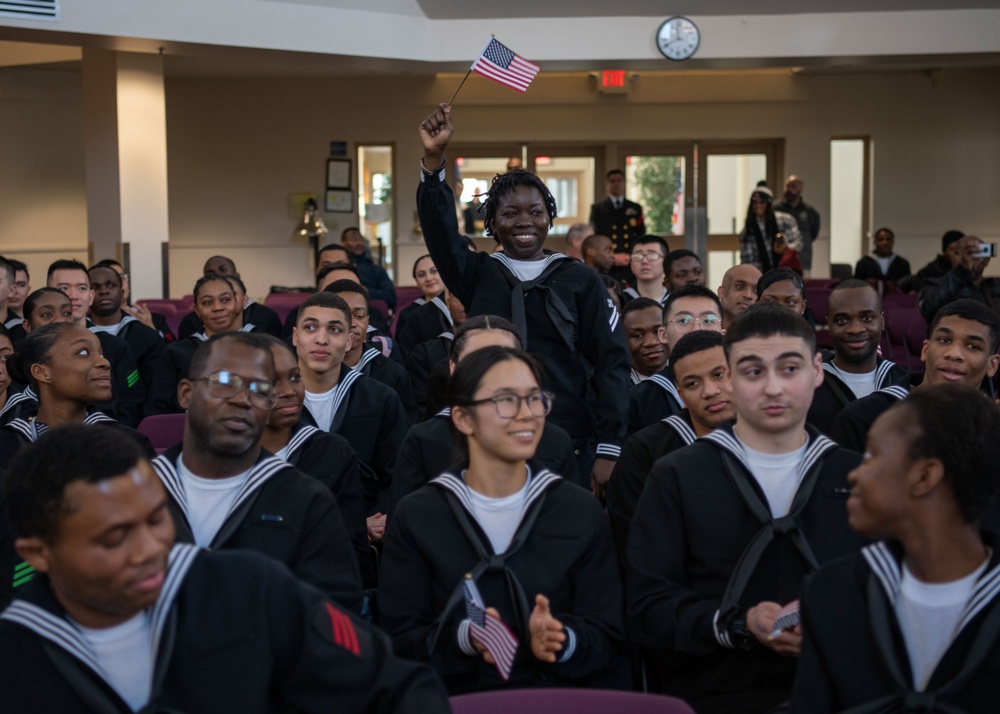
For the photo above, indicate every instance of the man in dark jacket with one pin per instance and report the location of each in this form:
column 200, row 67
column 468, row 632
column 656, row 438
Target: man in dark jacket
column 727, row 527
column 372, row 276
column 946, row 260
column 122, row 619
column 855, row 370
column 883, row 264
column 227, row 493
column 620, row 220
column 964, row 280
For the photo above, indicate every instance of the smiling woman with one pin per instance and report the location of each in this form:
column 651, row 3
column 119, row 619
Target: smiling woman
column 535, row 546
column 65, row 367
column 559, row 305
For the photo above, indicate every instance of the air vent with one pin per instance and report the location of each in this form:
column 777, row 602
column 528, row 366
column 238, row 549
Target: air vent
column 30, row 9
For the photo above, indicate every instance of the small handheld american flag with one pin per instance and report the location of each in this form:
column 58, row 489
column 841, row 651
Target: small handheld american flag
column 788, row 616
column 502, row 64
column 500, row 642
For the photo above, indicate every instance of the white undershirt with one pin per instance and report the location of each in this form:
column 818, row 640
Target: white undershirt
column 928, row 614
column 499, row 517
column 110, row 329
column 526, row 270
column 321, row 407
column 282, row 453
column 861, row 384
column 885, row 262
column 208, row 501
column 125, row 653
column 778, row 476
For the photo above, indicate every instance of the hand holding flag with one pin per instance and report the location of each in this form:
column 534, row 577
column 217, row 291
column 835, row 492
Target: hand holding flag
column 787, row 618
column 785, row 639
column 435, row 133
column 489, row 631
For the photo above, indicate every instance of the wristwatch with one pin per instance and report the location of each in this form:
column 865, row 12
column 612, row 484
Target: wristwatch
column 739, row 635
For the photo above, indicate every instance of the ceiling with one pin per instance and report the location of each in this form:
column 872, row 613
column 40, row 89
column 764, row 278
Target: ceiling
column 466, row 9
column 198, row 60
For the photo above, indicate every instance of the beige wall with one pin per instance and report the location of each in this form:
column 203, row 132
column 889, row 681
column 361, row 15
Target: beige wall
column 237, row 148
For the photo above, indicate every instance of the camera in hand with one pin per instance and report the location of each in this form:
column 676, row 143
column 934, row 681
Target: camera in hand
column 986, row 250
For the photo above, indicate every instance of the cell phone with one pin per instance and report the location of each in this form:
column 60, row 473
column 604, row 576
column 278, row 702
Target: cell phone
column 986, row 250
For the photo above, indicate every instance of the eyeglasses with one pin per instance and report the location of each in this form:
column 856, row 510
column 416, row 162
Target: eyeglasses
column 227, row 385
column 646, row 257
column 686, row 323
column 508, row 406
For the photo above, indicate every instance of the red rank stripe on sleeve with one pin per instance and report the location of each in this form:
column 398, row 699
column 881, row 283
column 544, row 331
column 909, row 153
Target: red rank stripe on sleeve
column 343, row 630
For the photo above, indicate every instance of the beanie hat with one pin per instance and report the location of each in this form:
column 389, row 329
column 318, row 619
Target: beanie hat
column 949, row 238
column 762, row 191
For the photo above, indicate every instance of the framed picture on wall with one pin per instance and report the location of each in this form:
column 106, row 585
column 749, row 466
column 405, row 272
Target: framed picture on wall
column 338, row 173
column 339, row 201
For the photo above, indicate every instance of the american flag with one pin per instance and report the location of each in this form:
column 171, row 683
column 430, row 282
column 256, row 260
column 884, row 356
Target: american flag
column 491, row 631
column 788, row 616
column 501, row 64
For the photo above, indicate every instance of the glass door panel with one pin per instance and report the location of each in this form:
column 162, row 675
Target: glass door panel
column 571, row 181
column 658, row 183
column 731, row 179
column 475, row 167
column 728, row 173
column 375, row 203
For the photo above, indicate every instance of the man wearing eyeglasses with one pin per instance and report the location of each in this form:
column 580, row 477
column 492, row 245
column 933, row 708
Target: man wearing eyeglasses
column 227, row 493
column 693, row 307
column 648, row 253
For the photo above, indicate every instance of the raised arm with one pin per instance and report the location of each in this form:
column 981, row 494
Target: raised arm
column 436, row 209
column 435, row 133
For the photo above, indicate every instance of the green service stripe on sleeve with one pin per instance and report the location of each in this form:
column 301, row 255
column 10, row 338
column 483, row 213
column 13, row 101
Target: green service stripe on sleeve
column 23, row 573
column 133, row 378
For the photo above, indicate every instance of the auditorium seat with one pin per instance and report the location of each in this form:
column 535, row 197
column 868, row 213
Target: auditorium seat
column 163, row 430
column 577, row 701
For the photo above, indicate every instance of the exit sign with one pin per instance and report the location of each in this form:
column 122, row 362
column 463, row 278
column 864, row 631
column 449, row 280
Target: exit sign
column 613, row 81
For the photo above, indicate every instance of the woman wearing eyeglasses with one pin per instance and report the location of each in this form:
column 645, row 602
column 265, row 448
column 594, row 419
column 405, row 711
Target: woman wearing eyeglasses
column 535, row 549
column 63, row 364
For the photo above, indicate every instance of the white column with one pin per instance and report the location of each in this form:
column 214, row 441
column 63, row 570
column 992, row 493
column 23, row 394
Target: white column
column 125, row 141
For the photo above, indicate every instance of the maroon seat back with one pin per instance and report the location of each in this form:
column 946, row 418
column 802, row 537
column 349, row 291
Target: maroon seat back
column 577, row 701
column 284, row 303
column 163, row 430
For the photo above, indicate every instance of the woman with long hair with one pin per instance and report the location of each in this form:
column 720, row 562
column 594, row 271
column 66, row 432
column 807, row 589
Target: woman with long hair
column 421, row 324
column 765, row 229
column 429, row 281
column 532, row 549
